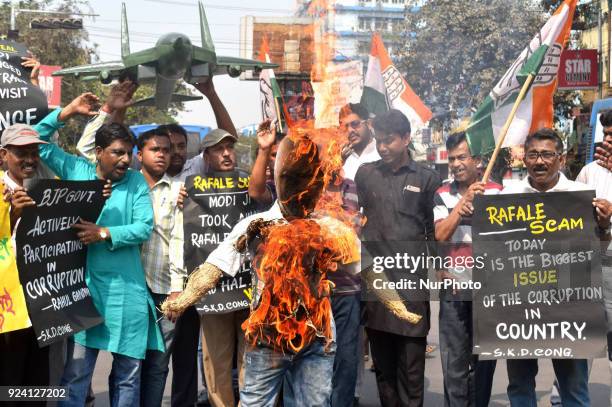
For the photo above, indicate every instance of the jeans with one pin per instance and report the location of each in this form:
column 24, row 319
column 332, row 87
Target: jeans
column 123, row 381
column 467, row 381
column 572, row 375
column 310, row 371
column 346, row 310
column 155, row 365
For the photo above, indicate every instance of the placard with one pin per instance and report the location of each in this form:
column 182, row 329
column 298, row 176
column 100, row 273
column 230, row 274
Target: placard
column 540, row 292
column 20, row 101
column 13, row 310
column 217, row 202
column 51, row 260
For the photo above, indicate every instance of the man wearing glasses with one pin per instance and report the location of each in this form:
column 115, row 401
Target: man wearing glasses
column 361, row 149
column 544, row 160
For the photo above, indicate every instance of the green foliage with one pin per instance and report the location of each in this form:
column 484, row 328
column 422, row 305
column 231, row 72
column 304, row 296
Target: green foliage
column 461, row 49
column 70, row 48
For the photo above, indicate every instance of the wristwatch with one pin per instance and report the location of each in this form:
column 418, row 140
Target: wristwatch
column 103, row 234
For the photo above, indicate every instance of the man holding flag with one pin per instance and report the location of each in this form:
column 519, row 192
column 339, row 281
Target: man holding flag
column 521, row 104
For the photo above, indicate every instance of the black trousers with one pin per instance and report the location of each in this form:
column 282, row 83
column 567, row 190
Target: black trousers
column 185, row 359
column 23, row 363
column 400, row 368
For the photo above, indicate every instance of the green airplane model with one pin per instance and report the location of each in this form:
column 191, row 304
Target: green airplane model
column 173, row 58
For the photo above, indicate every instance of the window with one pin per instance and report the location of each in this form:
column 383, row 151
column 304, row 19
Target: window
column 365, row 24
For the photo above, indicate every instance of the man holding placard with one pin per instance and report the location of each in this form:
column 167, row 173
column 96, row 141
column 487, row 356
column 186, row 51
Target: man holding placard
column 24, row 362
column 114, row 271
column 544, row 160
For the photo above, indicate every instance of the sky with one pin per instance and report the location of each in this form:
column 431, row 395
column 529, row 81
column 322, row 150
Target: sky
column 149, row 19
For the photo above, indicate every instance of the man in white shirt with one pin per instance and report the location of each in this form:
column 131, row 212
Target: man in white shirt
column 361, row 148
column 544, row 160
column 599, row 178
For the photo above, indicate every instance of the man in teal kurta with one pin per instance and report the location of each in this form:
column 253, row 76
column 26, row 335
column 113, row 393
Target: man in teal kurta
column 114, row 275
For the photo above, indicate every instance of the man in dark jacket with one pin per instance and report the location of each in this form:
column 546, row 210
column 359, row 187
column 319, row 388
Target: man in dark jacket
column 396, row 195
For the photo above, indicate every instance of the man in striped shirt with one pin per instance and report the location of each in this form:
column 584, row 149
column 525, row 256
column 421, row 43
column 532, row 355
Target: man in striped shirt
column 467, row 382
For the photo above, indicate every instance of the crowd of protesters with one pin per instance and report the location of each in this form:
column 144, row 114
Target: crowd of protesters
column 135, row 262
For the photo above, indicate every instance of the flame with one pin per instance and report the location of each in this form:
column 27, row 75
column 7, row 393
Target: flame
column 293, row 262
column 294, row 257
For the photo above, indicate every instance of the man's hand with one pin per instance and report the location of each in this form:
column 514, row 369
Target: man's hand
column 89, row 232
column 108, row 189
column 603, row 155
column 120, row 96
column 346, row 152
column 207, row 88
column 86, row 104
column 604, row 210
column 19, row 199
column 465, row 205
column 266, row 135
column 31, row 62
column 173, row 315
column 180, row 201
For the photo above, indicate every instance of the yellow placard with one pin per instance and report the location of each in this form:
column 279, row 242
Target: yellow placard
column 13, row 311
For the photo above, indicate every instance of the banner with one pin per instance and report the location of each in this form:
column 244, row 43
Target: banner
column 51, row 85
column 20, row 101
column 13, row 311
column 343, row 85
column 216, row 202
column 538, row 293
column 578, row 69
column 51, row 260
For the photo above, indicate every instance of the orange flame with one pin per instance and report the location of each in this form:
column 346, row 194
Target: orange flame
column 294, row 257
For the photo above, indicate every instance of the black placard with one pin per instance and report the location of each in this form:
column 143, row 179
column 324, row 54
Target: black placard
column 20, row 101
column 216, row 202
column 51, row 260
column 541, row 293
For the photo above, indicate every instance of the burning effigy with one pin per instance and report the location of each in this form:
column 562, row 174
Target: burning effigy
column 292, row 247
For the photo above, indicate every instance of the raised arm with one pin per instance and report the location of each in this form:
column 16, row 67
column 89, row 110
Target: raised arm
column 113, row 110
column 224, row 121
column 60, row 162
column 258, row 190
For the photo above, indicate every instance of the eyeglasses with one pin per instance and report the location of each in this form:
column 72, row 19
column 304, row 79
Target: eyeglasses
column 545, row 155
column 460, row 158
column 355, row 124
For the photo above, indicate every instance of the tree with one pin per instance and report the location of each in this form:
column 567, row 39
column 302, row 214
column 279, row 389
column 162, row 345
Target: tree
column 69, row 48
column 461, row 49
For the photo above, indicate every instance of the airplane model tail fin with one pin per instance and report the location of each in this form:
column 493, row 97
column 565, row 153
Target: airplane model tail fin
column 207, row 42
column 125, row 37
column 176, row 98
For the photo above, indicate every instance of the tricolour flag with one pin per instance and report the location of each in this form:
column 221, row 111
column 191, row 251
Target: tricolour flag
column 385, row 88
column 540, row 58
column 271, row 98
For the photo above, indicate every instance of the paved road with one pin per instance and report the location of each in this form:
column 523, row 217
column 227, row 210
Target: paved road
column 599, row 380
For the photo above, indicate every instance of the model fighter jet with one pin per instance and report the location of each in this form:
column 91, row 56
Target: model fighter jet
column 174, row 57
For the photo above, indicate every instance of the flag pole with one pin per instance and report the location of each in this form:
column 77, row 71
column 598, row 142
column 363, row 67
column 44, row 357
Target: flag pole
column 504, row 130
column 279, row 125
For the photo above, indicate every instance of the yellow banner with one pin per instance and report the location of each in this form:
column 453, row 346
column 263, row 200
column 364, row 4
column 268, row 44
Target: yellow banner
column 13, row 311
